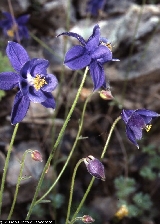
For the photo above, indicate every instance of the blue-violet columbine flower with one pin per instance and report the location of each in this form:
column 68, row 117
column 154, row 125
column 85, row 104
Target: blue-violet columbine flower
column 136, row 121
column 32, row 79
column 93, row 6
column 93, row 53
column 95, row 167
column 11, row 27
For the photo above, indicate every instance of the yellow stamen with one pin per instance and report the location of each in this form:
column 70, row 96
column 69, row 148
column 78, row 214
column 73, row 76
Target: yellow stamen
column 12, row 31
column 148, row 127
column 107, row 45
column 39, row 82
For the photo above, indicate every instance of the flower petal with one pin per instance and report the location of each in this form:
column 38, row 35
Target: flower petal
column 38, row 66
column 36, row 96
column 77, row 36
column 22, row 20
column 8, row 80
column 126, row 114
column 136, row 121
column 103, row 54
column 147, row 113
column 131, row 136
column 94, row 39
column 49, row 102
column 77, row 58
column 20, row 108
column 97, row 74
column 17, row 55
column 52, row 82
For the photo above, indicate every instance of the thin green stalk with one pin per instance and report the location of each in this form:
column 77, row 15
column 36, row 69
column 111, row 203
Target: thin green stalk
column 76, row 219
column 18, row 183
column 109, row 136
column 6, row 165
column 93, row 178
column 71, row 152
column 56, row 144
column 44, row 45
column 71, row 190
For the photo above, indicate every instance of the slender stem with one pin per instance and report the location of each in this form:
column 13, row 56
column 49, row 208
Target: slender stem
column 84, row 198
column 43, row 44
column 6, row 165
column 71, row 190
column 18, row 183
column 93, row 178
column 14, row 21
column 109, row 136
column 71, row 152
column 76, row 219
column 56, row 144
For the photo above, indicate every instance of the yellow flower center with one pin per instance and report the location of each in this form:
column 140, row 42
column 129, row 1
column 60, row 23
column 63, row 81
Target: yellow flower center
column 39, row 82
column 148, row 127
column 12, row 31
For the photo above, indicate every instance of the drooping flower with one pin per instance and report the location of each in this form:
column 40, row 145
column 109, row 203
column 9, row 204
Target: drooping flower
column 136, row 121
column 87, row 219
column 36, row 155
column 94, row 6
column 93, row 53
column 106, row 94
column 95, row 167
column 32, row 79
column 11, row 27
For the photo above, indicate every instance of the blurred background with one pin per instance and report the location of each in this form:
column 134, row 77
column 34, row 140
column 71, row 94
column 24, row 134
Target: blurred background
column 132, row 175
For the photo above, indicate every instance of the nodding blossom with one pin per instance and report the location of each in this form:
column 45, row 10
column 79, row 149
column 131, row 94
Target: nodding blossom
column 136, row 121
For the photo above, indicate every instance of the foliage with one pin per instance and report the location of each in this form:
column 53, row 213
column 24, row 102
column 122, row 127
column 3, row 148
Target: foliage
column 151, row 170
column 137, row 203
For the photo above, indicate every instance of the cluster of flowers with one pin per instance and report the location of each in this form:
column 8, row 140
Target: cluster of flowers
column 35, row 84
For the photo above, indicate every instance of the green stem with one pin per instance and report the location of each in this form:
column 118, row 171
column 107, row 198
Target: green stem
column 93, row 178
column 6, row 165
column 71, row 190
column 56, row 144
column 71, row 152
column 76, row 219
column 109, row 136
column 18, row 183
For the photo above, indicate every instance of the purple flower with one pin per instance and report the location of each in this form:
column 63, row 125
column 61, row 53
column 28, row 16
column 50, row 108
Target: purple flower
column 11, row 27
column 32, row 79
column 136, row 121
column 93, row 53
column 95, row 167
column 93, row 6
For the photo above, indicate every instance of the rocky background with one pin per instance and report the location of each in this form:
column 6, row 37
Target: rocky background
column 132, row 175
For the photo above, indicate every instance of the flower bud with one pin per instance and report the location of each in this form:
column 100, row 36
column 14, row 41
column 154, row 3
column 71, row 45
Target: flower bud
column 95, row 167
column 106, row 94
column 122, row 212
column 87, row 219
column 36, row 155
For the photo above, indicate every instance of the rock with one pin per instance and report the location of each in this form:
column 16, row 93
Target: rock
column 19, row 6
